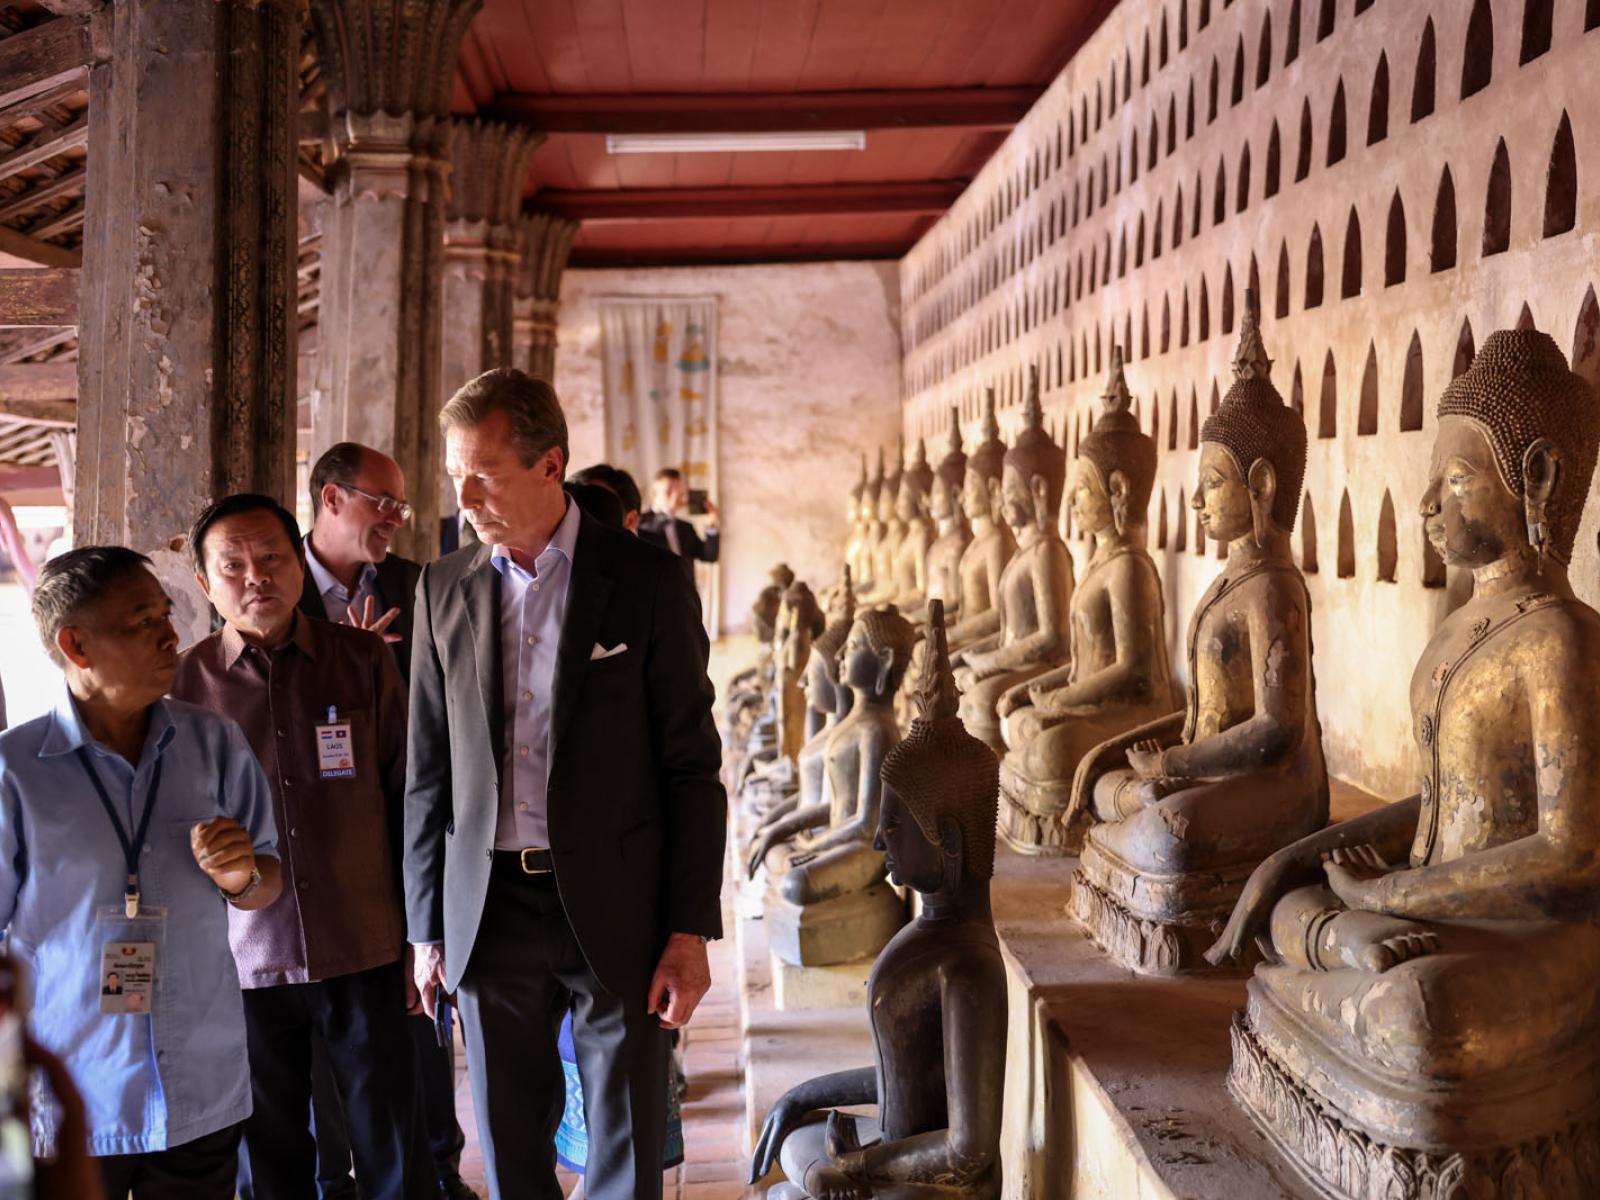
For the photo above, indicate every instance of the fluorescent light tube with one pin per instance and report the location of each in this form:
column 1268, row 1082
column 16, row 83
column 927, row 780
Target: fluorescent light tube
column 728, row 143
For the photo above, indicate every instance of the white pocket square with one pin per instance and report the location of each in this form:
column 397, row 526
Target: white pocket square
column 600, row 651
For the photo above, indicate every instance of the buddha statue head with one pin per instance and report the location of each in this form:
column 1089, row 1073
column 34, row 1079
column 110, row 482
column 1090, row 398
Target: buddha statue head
column 916, row 483
column 764, row 613
column 980, row 491
column 877, row 652
column 940, row 786
column 1252, row 449
column 889, row 497
column 805, row 614
column 1035, row 469
column 1514, row 455
column 1116, row 467
column 825, row 694
column 949, row 475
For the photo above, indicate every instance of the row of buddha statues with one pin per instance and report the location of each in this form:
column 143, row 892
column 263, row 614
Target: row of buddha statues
column 1421, row 1019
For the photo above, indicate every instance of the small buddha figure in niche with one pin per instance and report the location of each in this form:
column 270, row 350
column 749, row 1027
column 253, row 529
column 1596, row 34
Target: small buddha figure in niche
column 857, row 551
column 1187, row 805
column 951, row 530
column 975, row 613
column 891, row 530
column 1119, row 675
column 1035, row 591
column 916, row 539
column 831, row 904
column 1430, row 986
column 936, row 996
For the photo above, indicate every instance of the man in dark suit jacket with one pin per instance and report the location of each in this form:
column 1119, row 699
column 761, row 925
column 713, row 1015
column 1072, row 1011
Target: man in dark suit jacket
column 358, row 500
column 564, row 816
column 661, row 525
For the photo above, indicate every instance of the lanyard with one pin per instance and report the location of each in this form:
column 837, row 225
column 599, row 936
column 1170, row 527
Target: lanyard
column 130, row 849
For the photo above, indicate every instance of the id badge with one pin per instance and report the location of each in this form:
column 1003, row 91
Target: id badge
column 127, row 976
column 335, row 753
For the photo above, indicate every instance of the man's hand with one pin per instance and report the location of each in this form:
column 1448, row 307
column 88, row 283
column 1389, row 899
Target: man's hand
column 682, row 978
column 224, row 851
column 368, row 619
column 427, row 973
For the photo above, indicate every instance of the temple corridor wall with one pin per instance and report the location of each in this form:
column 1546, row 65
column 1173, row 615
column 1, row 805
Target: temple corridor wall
column 1395, row 180
column 810, row 376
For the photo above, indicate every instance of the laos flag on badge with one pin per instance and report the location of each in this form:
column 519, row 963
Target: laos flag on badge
column 335, row 755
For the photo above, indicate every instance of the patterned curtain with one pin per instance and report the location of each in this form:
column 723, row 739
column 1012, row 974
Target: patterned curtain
column 660, row 361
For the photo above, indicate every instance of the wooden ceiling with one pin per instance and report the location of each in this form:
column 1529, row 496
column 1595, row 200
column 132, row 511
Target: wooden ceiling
column 936, row 85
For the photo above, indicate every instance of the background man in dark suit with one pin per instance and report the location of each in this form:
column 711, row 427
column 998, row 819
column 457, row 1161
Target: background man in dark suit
column 358, row 500
column 564, row 817
column 662, row 526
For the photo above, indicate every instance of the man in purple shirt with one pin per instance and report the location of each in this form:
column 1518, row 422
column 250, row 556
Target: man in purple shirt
column 324, row 708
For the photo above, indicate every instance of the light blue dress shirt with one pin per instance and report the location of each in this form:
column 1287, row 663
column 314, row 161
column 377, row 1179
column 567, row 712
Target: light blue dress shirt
column 532, row 609
column 336, row 598
column 149, row 1081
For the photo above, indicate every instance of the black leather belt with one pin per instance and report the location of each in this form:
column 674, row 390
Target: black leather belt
column 533, row 860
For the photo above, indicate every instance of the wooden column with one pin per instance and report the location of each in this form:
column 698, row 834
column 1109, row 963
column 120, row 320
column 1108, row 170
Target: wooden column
column 544, row 242
column 388, row 65
column 186, row 311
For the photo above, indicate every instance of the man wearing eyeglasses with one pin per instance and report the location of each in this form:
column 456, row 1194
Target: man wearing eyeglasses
column 358, row 500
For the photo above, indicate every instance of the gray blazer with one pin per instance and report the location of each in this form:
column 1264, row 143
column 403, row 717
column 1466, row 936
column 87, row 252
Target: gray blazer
column 637, row 810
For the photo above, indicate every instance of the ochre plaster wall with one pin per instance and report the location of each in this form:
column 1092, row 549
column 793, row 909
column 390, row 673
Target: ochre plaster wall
column 1017, row 273
column 810, row 376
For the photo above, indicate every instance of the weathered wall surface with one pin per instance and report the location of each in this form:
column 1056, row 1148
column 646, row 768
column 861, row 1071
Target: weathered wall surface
column 810, row 376
column 1395, row 180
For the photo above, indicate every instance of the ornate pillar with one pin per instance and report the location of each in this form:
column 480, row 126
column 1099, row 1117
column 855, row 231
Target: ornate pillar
column 388, row 65
column 187, row 309
column 544, row 241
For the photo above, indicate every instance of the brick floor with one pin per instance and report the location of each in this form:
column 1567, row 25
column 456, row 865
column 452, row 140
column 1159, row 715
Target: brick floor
column 716, row 1161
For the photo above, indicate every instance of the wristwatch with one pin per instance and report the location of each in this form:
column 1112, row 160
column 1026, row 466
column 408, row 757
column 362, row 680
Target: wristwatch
column 246, row 891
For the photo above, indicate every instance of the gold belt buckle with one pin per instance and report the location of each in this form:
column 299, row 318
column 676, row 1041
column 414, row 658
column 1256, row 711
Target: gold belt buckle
column 526, row 869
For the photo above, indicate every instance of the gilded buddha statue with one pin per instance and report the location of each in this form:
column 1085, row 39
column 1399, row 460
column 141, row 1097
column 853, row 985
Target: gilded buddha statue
column 1185, row 807
column 858, row 518
column 872, row 529
column 830, row 903
column 1119, row 675
column 917, row 532
column 1035, row 590
column 936, row 996
column 1427, row 1023
column 891, row 529
column 974, row 613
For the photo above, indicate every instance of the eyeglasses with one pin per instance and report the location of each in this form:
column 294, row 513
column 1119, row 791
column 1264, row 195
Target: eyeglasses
column 384, row 504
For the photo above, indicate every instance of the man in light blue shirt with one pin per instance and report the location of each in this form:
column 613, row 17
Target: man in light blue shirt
column 128, row 824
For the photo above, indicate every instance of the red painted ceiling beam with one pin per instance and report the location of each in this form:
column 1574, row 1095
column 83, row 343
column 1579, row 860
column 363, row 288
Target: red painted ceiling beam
column 798, row 200
column 777, row 112
column 691, row 256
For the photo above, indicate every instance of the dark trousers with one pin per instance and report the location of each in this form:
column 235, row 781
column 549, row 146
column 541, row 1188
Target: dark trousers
column 361, row 1020
column 524, row 972
column 203, row 1169
column 436, row 1109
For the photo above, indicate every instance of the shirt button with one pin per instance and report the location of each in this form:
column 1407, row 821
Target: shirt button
column 283, row 733
column 293, row 832
column 288, row 783
column 523, row 807
column 532, row 641
column 522, row 750
column 301, row 884
column 535, row 587
column 527, row 695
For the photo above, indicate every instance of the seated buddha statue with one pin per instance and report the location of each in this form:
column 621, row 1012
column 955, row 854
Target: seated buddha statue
column 859, row 523
column 872, row 530
column 891, row 529
column 830, row 903
column 776, row 740
column 748, row 690
column 973, row 612
column 936, row 996
column 1119, row 675
column 952, row 533
column 912, row 509
column 1429, row 996
column 1035, row 590
column 1187, row 805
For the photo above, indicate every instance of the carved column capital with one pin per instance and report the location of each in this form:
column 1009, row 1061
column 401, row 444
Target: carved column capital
column 390, row 56
column 490, row 162
column 544, row 242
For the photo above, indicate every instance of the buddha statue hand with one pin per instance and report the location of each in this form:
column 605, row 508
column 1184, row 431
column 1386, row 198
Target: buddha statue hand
column 1014, row 698
column 1146, row 757
column 1252, row 916
column 1354, row 873
column 830, row 1183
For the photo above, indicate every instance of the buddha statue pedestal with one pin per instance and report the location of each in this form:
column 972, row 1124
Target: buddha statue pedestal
column 1119, row 676
column 831, row 939
column 1186, row 807
column 1432, row 1029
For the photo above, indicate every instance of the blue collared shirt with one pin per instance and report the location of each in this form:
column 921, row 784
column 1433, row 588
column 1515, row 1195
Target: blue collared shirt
column 336, row 598
column 180, row 1072
column 532, row 609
